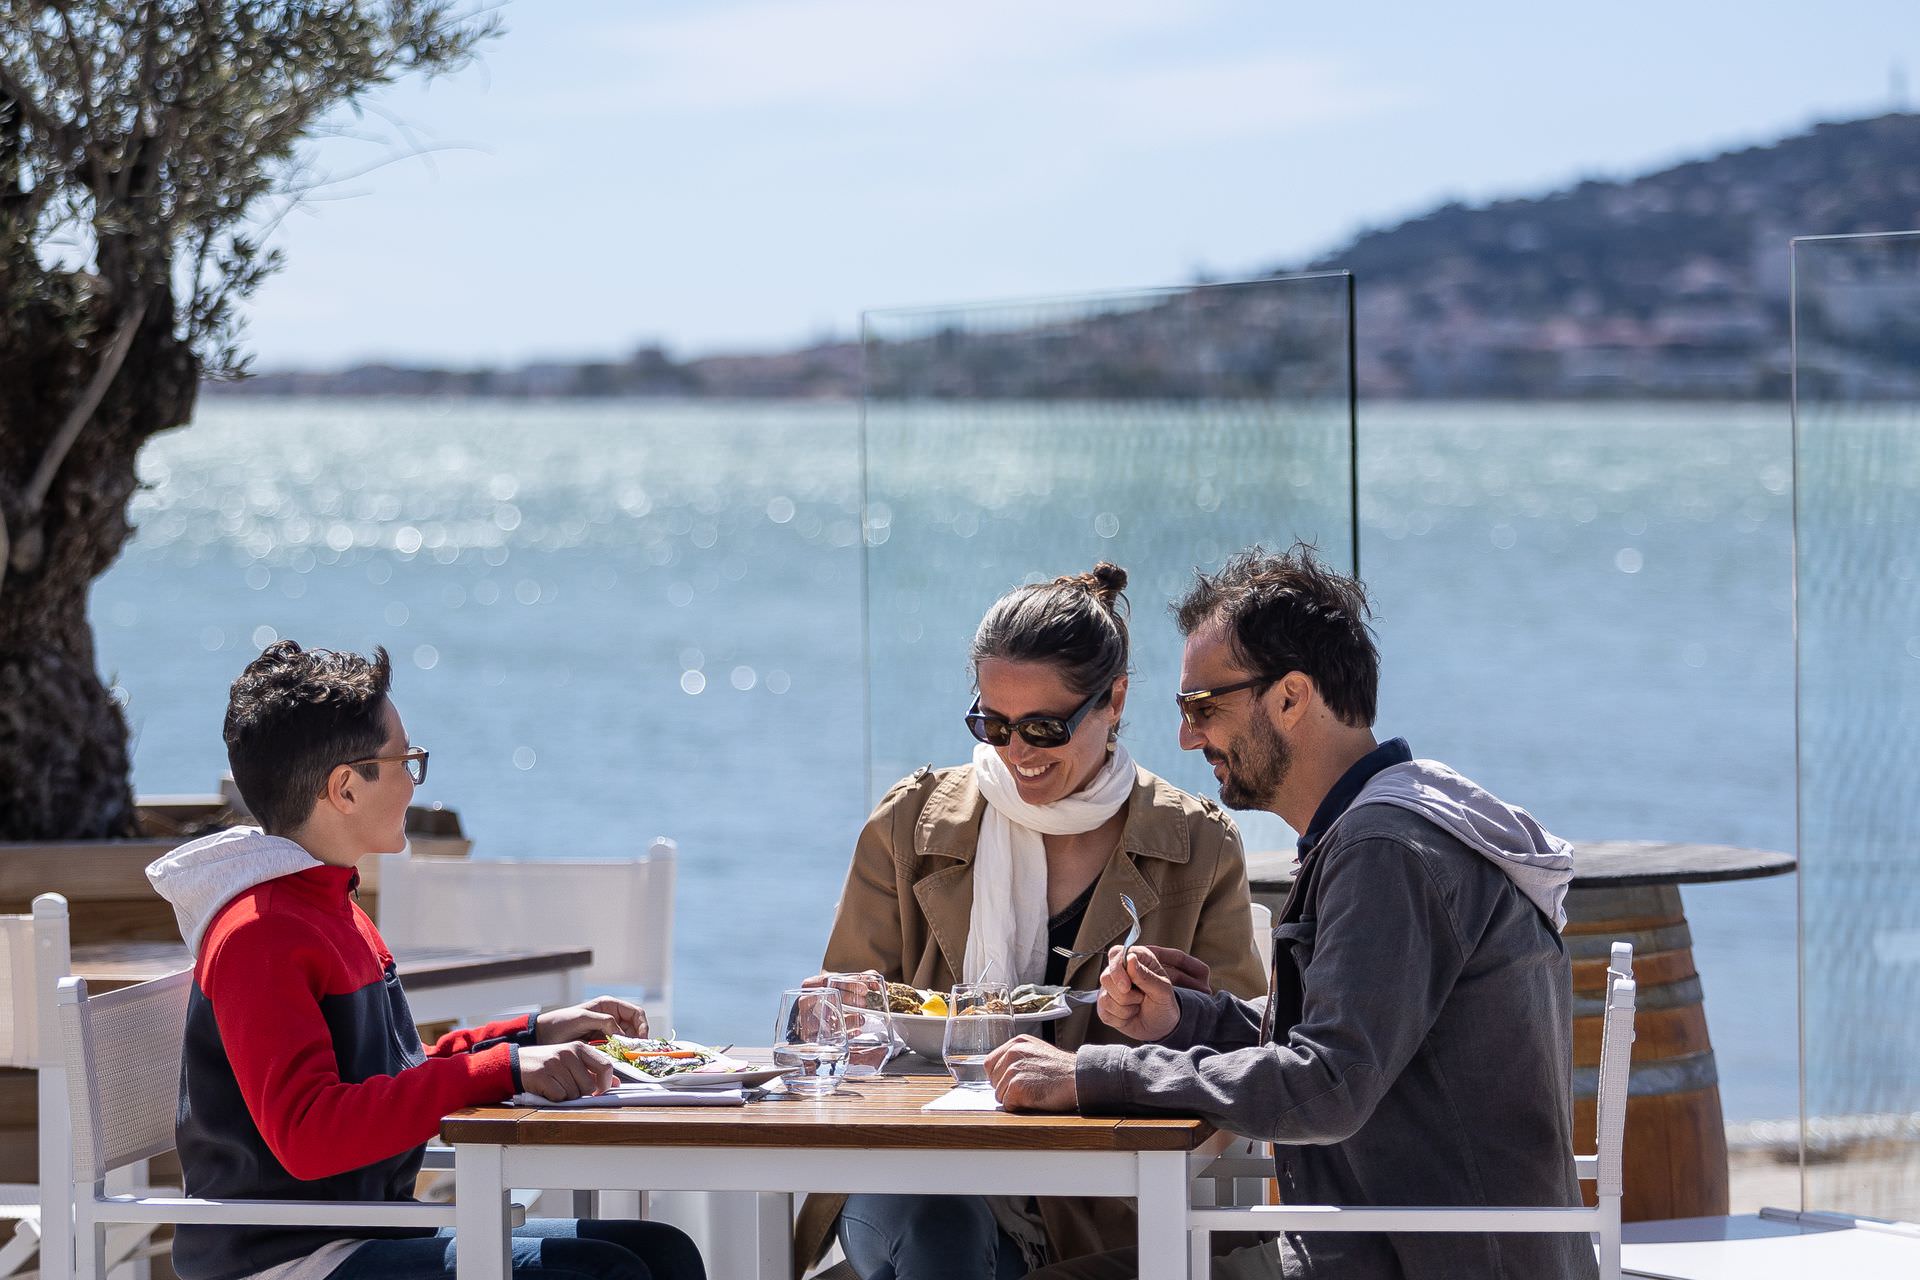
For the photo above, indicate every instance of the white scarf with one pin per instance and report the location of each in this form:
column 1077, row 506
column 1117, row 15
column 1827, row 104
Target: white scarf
column 1007, row 932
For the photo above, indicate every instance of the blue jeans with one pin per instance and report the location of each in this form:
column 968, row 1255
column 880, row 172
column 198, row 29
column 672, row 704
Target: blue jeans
column 927, row 1238
column 548, row 1248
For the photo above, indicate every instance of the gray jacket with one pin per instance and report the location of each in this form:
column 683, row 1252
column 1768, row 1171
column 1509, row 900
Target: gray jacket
column 1422, row 996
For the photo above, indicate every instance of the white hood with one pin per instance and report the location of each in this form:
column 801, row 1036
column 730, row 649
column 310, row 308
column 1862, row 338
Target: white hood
column 1539, row 862
column 204, row 875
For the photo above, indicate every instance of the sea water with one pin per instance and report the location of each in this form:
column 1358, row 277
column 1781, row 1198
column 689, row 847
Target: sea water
column 613, row 620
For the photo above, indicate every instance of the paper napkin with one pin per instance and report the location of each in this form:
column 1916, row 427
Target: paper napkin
column 641, row 1095
column 965, row 1100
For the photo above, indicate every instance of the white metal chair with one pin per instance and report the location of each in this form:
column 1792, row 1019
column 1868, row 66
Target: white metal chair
column 1603, row 1169
column 34, row 953
column 621, row 907
column 1263, row 934
column 121, row 1051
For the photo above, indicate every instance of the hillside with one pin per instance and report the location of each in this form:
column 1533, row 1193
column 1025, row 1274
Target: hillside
column 1671, row 284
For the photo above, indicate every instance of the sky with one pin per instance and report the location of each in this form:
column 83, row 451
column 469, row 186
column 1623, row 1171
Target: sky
column 733, row 175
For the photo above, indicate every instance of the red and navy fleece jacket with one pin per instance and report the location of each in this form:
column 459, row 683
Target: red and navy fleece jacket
column 302, row 1076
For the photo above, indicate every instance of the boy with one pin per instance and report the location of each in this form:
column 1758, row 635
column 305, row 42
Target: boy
column 302, row 1076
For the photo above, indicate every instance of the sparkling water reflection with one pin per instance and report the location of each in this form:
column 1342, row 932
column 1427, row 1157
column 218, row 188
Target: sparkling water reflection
column 571, row 558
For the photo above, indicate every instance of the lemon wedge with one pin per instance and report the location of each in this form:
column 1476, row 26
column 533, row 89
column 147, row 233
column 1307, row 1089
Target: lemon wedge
column 935, row 1004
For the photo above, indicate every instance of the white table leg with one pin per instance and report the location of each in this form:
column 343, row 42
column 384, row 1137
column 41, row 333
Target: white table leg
column 1163, row 1215
column 480, row 1212
column 745, row 1235
column 773, row 1233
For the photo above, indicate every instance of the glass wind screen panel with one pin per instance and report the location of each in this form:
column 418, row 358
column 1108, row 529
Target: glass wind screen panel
column 1160, row 430
column 1857, row 530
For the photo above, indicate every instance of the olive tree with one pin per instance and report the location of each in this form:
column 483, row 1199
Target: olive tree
column 142, row 145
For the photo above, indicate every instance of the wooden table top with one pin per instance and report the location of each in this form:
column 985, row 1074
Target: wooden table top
column 106, row 965
column 1602, row 864
column 871, row 1112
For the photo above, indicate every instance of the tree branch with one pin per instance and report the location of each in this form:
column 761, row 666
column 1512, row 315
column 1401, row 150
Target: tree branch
column 24, row 102
column 35, row 495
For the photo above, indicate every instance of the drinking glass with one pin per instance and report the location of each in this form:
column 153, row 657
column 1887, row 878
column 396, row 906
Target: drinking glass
column 979, row 1020
column 863, row 999
column 811, row 1035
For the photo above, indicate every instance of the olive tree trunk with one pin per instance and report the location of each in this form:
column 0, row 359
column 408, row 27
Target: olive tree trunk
column 64, row 766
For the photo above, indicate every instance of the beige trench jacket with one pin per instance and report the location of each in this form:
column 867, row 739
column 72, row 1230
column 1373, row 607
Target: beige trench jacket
column 909, row 897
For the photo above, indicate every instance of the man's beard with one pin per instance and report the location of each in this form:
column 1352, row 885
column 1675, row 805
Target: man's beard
column 1255, row 772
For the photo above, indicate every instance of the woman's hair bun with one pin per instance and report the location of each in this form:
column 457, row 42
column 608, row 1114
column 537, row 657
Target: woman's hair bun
column 1105, row 582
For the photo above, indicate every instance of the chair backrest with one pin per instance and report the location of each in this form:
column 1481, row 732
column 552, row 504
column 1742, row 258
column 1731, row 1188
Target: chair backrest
column 122, row 1055
column 621, row 907
column 34, row 954
column 1263, row 934
column 1616, row 1050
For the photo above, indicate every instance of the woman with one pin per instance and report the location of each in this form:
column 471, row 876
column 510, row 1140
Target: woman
column 983, row 869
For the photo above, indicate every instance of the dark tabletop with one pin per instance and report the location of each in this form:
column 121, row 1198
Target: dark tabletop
column 107, row 965
column 1609, row 864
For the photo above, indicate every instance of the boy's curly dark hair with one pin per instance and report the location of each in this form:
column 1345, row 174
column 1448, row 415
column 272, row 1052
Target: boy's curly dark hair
column 1288, row 612
column 296, row 715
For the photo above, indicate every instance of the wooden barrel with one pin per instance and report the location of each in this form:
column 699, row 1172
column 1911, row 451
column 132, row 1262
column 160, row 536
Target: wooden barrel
column 1676, row 1142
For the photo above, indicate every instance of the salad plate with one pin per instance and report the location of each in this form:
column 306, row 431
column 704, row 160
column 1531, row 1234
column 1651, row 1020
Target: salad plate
column 681, row 1064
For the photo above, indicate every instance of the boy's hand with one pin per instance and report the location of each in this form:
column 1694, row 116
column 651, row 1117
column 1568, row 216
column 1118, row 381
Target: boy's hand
column 1136, row 995
column 598, row 1018
column 562, row 1072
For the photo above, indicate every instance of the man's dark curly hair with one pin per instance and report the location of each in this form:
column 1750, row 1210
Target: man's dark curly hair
column 1288, row 612
column 296, row 715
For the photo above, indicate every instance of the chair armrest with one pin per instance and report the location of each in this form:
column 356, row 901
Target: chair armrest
column 1323, row 1217
column 1586, row 1168
column 280, row 1213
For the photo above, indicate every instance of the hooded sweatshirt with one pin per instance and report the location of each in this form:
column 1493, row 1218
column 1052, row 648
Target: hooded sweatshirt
column 1419, row 1050
column 302, row 1076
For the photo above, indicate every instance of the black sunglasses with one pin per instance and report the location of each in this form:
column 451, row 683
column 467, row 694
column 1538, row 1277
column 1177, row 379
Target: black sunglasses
column 1197, row 705
column 1035, row 731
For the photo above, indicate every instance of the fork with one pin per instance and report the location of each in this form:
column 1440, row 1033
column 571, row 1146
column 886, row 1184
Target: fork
column 1133, row 934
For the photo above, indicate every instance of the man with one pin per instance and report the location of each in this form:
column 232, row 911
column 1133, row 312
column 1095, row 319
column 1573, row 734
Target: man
column 1415, row 1045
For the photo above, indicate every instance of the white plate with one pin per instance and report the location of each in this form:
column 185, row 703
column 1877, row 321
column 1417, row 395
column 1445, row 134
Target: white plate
column 723, row 1072
column 926, row 1033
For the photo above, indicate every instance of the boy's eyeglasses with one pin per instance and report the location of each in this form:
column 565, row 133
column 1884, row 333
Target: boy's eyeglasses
column 1198, row 705
column 415, row 759
column 1035, row 731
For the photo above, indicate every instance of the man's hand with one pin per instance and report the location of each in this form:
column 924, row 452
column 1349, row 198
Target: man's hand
column 598, row 1018
column 1031, row 1075
column 1186, row 971
column 561, row 1072
column 1136, row 995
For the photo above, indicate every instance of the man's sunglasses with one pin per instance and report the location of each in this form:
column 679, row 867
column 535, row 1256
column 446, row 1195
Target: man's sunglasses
column 415, row 760
column 1035, row 731
column 1197, row 705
